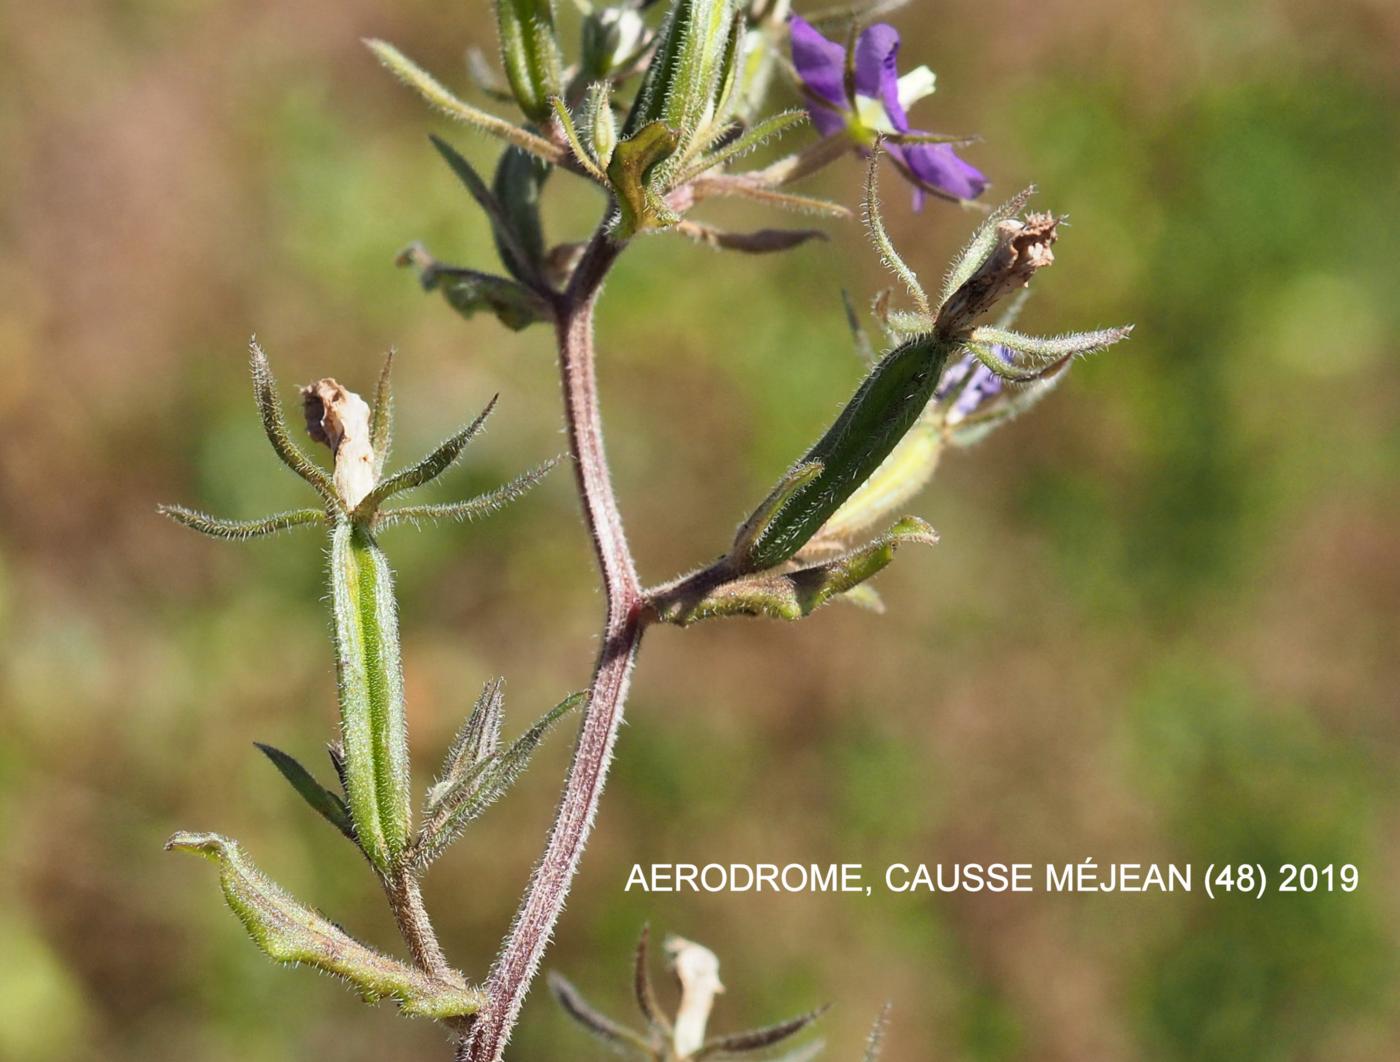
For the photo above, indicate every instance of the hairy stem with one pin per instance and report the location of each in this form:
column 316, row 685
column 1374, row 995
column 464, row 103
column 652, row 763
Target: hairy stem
column 544, row 897
column 406, row 901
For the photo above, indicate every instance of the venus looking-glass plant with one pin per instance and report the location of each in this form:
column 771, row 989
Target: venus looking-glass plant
column 656, row 118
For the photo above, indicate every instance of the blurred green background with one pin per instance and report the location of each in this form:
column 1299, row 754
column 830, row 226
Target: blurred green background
column 1156, row 628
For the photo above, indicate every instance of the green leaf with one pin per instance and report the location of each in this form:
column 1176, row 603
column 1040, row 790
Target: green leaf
column 517, row 184
column 511, row 248
column 330, row 805
column 290, row 933
column 381, row 418
column 785, row 595
column 482, row 785
column 469, row 292
column 632, row 162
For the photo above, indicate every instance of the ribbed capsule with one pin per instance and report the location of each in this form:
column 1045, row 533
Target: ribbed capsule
column 883, row 409
column 530, row 54
column 374, row 732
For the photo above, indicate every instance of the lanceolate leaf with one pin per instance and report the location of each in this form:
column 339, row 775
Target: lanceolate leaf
column 501, row 225
column 330, row 805
column 477, row 739
column 291, row 933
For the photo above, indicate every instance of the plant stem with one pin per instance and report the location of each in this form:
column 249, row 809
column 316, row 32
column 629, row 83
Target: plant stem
column 543, row 901
column 406, row 901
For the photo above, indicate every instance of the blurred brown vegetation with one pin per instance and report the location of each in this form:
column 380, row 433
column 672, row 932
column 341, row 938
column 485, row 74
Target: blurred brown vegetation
column 1160, row 626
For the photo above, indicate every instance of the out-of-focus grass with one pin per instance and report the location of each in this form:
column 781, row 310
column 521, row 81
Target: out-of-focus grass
column 1160, row 624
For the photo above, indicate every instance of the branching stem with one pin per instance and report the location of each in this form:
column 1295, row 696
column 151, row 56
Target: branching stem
column 544, row 898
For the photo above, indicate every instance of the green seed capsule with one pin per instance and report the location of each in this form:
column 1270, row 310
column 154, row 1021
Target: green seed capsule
column 887, row 404
column 373, row 728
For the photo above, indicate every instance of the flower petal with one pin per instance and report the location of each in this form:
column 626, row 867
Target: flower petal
column 820, row 63
column 937, row 168
column 877, row 75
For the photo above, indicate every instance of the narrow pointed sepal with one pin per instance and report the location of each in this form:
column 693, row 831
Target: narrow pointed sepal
column 381, row 417
column 875, row 225
column 472, row 508
column 645, row 991
column 329, row 805
column 757, row 1040
column 875, row 1042
column 785, row 595
column 242, row 530
column 1039, row 354
column 428, row 469
column 598, row 1024
column 275, row 426
column 481, row 785
column 289, row 932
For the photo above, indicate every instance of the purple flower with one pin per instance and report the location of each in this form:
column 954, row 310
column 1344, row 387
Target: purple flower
column 878, row 106
column 970, row 392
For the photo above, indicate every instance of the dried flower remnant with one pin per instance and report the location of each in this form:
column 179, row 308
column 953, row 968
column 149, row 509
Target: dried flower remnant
column 339, row 419
column 682, row 1038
